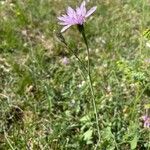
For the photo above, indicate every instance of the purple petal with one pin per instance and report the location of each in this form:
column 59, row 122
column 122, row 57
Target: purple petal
column 83, row 8
column 91, row 11
column 63, row 18
column 70, row 11
column 78, row 11
column 144, row 118
column 82, row 5
column 65, row 28
column 146, row 124
column 63, row 23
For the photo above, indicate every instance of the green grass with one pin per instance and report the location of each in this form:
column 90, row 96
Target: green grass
column 45, row 104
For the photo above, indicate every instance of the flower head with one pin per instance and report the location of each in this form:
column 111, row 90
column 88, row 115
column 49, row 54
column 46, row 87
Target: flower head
column 65, row 61
column 75, row 17
column 146, row 120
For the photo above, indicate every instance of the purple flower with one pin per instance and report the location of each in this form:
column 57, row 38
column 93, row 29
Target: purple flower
column 146, row 120
column 75, row 17
column 65, row 61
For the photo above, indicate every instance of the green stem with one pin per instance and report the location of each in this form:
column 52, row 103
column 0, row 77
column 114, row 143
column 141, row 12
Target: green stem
column 81, row 62
column 62, row 40
column 81, row 29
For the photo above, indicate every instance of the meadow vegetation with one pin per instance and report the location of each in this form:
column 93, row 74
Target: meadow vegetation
column 45, row 100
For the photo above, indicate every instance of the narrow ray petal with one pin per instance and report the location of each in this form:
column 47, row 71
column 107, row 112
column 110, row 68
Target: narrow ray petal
column 65, row 28
column 63, row 23
column 62, row 18
column 78, row 11
column 82, row 5
column 83, row 8
column 70, row 11
column 91, row 11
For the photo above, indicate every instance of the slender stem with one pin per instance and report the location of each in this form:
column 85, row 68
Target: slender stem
column 91, row 82
column 62, row 40
column 81, row 62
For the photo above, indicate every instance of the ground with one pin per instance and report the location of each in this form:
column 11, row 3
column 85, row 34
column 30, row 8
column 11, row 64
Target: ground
column 45, row 100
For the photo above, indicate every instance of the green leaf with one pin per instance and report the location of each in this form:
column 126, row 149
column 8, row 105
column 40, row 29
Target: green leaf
column 107, row 133
column 88, row 135
column 85, row 119
column 133, row 143
column 147, row 106
column 146, row 33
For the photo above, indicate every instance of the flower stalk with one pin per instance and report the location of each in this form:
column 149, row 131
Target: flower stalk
column 61, row 38
column 82, row 31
